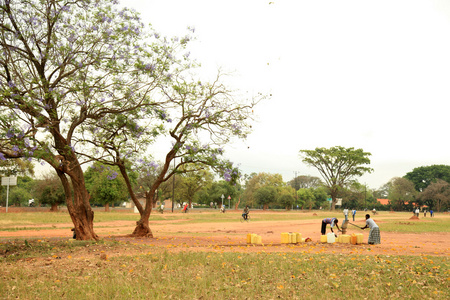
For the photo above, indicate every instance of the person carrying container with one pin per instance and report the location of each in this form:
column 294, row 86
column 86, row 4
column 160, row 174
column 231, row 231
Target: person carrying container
column 332, row 221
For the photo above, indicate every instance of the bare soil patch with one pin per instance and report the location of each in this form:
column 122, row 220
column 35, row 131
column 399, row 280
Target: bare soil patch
column 178, row 235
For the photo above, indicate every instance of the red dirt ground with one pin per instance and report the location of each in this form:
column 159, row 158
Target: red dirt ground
column 175, row 235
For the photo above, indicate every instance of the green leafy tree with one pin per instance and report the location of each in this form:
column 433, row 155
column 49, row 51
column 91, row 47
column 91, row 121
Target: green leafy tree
column 266, row 196
column 193, row 182
column 202, row 196
column 306, row 197
column 16, row 167
column 357, row 195
column 320, row 196
column 337, row 165
column 401, row 190
column 49, row 190
column 305, row 182
column 105, row 185
column 437, row 195
column 19, row 196
column 256, row 181
column 286, row 197
column 20, row 193
column 422, row 177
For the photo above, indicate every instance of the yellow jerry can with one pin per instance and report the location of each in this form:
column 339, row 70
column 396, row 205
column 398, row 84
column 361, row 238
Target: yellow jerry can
column 285, row 238
column 254, row 238
column 345, row 239
column 292, row 238
column 249, row 238
column 359, row 238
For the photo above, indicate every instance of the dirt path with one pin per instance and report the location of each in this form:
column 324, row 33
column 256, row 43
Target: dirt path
column 176, row 235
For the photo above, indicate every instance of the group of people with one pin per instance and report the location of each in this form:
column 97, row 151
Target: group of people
column 374, row 233
column 417, row 211
column 346, row 214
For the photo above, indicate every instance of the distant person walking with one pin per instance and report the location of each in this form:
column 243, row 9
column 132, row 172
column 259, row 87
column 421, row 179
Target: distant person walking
column 374, row 234
column 417, row 212
column 346, row 213
column 353, row 214
column 431, row 213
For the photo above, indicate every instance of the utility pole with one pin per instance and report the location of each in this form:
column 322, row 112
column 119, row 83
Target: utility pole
column 365, row 195
column 295, row 188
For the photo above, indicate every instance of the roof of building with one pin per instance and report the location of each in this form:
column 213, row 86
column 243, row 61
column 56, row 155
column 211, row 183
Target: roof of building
column 383, row 201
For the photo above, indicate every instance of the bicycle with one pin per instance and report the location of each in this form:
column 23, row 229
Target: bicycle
column 245, row 220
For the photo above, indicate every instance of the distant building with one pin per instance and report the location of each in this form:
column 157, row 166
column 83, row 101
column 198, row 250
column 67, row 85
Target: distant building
column 383, row 201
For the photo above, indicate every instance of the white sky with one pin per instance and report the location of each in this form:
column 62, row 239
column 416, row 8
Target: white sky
column 366, row 74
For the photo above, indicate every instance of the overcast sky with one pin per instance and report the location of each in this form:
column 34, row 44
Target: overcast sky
column 366, row 74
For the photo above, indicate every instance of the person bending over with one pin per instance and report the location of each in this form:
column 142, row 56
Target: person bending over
column 332, row 221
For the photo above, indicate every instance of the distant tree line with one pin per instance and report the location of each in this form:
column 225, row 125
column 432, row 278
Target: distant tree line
column 257, row 190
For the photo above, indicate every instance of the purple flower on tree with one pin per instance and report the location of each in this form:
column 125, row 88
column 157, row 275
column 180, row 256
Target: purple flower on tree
column 10, row 134
column 113, row 175
column 226, row 175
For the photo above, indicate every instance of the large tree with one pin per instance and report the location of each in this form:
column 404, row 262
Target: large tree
column 337, row 165
column 401, row 193
column 193, row 181
column 105, row 185
column 49, row 190
column 306, row 198
column 257, row 181
column 424, row 176
column 286, row 197
column 357, row 195
column 199, row 117
column 305, row 182
column 437, row 195
column 78, row 73
column 64, row 63
column 266, row 196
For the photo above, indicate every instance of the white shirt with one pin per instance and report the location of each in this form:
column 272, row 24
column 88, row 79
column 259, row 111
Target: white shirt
column 371, row 223
column 345, row 211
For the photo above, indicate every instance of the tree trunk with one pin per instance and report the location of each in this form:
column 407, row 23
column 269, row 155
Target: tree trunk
column 80, row 210
column 54, row 207
column 333, row 199
column 142, row 229
column 107, row 207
